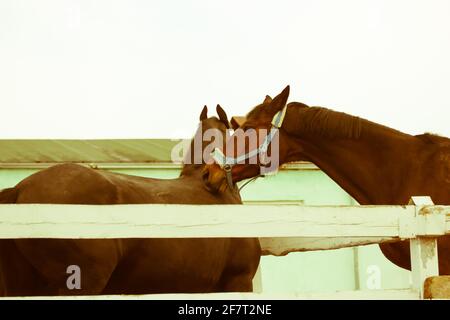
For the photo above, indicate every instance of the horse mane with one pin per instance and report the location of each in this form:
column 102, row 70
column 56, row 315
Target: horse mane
column 327, row 123
column 332, row 124
column 433, row 138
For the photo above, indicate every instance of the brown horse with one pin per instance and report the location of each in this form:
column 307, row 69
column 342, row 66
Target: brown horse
column 373, row 163
column 126, row 266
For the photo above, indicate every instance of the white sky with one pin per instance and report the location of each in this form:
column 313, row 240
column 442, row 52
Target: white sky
column 144, row 69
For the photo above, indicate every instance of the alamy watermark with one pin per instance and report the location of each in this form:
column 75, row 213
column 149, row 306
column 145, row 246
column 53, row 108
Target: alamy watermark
column 74, row 279
column 373, row 281
column 244, row 147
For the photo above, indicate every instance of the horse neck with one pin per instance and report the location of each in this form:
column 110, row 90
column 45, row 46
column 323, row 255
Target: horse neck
column 192, row 170
column 371, row 168
column 193, row 163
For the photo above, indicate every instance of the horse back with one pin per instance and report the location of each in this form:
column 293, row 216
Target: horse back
column 8, row 195
column 66, row 184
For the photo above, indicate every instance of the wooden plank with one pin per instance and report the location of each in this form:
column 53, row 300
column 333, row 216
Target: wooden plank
column 447, row 222
column 284, row 246
column 437, row 287
column 424, row 254
column 424, row 261
column 402, row 294
column 257, row 281
column 183, row 221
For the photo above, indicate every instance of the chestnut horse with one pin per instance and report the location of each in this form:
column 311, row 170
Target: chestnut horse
column 375, row 164
column 126, row 266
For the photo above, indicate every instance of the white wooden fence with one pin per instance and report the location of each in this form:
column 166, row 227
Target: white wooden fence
column 281, row 229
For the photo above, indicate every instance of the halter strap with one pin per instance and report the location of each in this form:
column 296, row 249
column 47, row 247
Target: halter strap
column 222, row 160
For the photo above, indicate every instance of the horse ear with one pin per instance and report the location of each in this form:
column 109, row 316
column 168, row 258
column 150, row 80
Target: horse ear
column 204, row 114
column 223, row 116
column 237, row 122
column 280, row 100
column 267, row 99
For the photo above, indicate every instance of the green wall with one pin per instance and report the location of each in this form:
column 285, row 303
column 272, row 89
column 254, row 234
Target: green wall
column 332, row 270
column 343, row 269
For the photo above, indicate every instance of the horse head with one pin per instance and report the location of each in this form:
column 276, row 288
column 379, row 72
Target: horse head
column 262, row 128
column 212, row 132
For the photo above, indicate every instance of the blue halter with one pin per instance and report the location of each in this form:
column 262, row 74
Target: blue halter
column 226, row 163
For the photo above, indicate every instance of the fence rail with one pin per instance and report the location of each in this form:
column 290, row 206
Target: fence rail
column 401, row 294
column 281, row 229
column 203, row 221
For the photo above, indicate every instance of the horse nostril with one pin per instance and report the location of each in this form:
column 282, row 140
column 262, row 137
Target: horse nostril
column 205, row 175
column 206, row 183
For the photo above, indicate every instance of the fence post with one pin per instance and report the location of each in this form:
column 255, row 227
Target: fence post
column 257, row 281
column 423, row 250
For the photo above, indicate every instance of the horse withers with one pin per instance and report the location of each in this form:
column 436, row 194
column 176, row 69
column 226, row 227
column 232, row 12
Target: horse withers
column 126, row 266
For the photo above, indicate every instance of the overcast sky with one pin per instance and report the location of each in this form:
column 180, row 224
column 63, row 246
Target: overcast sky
column 144, row 69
